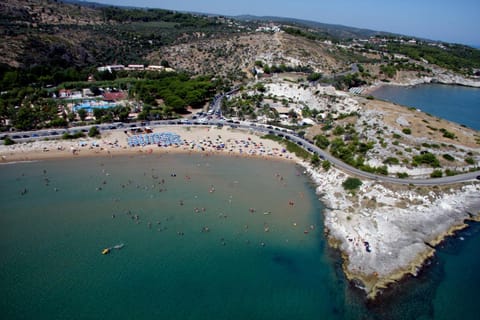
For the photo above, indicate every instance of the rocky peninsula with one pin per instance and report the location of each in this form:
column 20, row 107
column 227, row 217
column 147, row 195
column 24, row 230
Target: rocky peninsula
column 386, row 232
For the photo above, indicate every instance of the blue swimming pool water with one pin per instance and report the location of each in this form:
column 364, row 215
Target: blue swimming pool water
column 90, row 105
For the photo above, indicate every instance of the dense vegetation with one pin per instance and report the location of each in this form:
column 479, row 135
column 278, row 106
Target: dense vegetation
column 107, row 35
column 176, row 91
column 452, row 56
column 318, row 35
column 31, row 107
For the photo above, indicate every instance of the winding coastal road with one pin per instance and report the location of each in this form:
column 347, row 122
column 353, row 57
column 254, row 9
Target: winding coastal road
column 312, row 148
column 349, row 169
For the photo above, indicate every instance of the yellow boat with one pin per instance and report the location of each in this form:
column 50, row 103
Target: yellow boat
column 106, row 251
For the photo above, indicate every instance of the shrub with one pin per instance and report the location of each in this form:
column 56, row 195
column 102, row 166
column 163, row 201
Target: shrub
column 326, row 165
column 426, row 158
column 447, row 134
column 470, row 160
column 436, row 174
column 407, row 130
column 402, row 175
column 93, row 132
column 449, row 172
column 339, row 130
column 391, row 160
column 351, row 184
column 68, row 136
column 8, row 141
column 383, row 170
column 314, row 76
column 448, row 157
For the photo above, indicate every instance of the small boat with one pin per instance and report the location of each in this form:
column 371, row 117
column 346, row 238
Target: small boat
column 106, row 251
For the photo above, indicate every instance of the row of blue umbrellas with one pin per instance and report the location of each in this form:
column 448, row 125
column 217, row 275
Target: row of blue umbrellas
column 161, row 139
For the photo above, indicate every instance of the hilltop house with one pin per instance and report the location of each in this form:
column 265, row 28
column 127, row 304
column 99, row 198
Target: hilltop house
column 64, row 93
column 136, row 67
column 115, row 67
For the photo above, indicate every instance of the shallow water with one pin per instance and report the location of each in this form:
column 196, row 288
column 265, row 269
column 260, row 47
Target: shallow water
column 454, row 103
column 257, row 265
column 248, row 263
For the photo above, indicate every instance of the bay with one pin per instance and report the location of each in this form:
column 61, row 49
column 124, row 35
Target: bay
column 455, row 103
column 204, row 237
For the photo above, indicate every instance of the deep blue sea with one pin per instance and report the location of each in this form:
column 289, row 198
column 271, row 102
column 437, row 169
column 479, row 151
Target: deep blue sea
column 204, row 238
column 455, row 103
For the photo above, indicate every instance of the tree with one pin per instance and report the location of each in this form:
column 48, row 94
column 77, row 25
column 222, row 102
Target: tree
column 321, row 141
column 26, row 118
column 98, row 113
column 93, row 132
column 315, row 160
column 326, row 165
column 71, row 116
column 82, row 113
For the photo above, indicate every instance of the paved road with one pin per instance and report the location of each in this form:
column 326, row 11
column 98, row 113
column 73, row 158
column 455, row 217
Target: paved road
column 57, row 133
column 347, row 168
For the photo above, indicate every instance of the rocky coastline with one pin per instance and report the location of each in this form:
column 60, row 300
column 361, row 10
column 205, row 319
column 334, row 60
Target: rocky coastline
column 385, row 232
column 439, row 77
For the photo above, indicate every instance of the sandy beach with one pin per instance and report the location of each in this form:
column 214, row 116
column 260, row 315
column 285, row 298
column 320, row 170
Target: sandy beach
column 203, row 139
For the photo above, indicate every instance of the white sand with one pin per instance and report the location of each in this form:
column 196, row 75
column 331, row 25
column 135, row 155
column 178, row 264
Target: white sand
column 236, row 141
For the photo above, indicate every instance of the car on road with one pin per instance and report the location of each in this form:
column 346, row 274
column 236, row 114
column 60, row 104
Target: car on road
column 478, row 177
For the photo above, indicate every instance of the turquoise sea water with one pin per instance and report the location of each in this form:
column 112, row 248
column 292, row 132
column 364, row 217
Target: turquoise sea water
column 261, row 258
column 454, row 103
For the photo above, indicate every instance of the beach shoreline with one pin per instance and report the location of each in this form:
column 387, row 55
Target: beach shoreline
column 372, row 216
column 200, row 140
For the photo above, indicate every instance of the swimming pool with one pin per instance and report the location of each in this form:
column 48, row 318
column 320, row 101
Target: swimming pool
column 90, row 105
